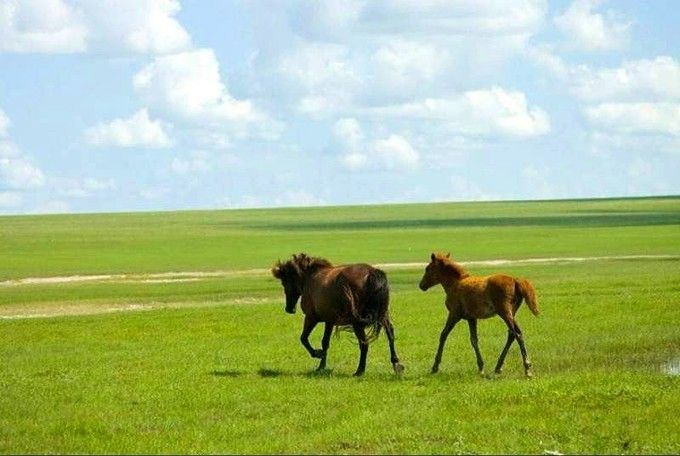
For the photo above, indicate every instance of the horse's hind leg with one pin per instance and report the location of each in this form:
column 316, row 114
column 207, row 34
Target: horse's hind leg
column 514, row 332
column 501, row 358
column 450, row 323
column 472, row 323
column 363, row 349
column 389, row 330
column 325, row 342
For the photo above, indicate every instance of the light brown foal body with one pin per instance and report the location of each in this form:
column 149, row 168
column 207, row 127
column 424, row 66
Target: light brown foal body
column 472, row 298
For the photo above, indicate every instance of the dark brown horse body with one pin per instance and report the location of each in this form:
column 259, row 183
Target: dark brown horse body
column 355, row 295
column 471, row 298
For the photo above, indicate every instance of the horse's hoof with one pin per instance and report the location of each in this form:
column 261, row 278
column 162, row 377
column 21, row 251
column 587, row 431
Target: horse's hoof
column 528, row 374
column 317, row 354
column 398, row 368
column 434, row 370
column 498, row 371
column 358, row 373
column 482, row 373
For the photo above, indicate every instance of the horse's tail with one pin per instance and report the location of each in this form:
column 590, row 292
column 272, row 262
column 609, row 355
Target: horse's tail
column 527, row 291
column 376, row 298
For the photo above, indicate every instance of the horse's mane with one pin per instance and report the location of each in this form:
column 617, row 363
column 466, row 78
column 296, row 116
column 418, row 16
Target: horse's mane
column 301, row 265
column 450, row 266
column 309, row 264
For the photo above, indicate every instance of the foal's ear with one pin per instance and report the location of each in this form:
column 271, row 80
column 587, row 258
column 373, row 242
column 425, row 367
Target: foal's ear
column 448, row 255
column 432, row 257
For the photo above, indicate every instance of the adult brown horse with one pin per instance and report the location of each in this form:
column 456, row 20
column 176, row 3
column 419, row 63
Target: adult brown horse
column 471, row 298
column 354, row 295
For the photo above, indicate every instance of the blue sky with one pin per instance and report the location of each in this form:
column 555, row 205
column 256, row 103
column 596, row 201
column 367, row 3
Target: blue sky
column 160, row 104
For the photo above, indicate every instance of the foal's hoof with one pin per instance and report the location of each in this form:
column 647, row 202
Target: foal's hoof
column 398, row 368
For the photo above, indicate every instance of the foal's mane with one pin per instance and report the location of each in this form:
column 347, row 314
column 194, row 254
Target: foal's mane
column 451, row 267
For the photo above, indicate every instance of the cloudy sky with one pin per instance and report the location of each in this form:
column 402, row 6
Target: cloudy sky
column 117, row 105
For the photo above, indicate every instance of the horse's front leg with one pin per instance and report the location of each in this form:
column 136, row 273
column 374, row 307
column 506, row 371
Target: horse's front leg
column 325, row 342
column 309, row 325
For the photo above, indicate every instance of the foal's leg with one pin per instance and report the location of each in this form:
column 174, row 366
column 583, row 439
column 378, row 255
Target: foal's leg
column 523, row 350
column 363, row 349
column 472, row 323
column 450, row 323
column 514, row 332
column 501, row 358
column 389, row 330
column 308, row 326
column 325, row 342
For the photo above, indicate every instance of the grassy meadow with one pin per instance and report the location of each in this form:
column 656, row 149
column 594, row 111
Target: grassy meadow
column 182, row 345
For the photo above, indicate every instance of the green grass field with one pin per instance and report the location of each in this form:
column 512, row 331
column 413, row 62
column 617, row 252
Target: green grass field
column 153, row 357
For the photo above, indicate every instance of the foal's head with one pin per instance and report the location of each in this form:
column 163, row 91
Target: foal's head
column 440, row 268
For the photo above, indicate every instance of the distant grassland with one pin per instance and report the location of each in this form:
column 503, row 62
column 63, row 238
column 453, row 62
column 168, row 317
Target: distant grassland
column 214, row 365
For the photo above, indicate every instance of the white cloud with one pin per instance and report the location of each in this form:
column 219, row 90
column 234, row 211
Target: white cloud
column 403, row 64
column 357, row 153
column 639, row 80
column 490, row 112
column 197, row 163
column 442, row 17
column 82, row 188
column 349, row 133
column 187, row 85
column 57, row 26
column 636, row 118
column 136, row 131
column 17, row 172
column 50, row 26
column 323, row 75
column 591, row 31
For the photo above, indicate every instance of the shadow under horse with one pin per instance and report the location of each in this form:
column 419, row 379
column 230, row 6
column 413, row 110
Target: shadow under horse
column 354, row 295
column 471, row 298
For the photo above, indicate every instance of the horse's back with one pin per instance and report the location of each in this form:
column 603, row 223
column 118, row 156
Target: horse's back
column 333, row 288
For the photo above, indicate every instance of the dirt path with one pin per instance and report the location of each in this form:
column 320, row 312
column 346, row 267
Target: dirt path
column 47, row 310
column 189, row 276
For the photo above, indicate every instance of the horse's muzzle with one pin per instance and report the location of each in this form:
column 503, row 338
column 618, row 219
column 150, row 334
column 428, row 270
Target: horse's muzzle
column 290, row 311
column 423, row 286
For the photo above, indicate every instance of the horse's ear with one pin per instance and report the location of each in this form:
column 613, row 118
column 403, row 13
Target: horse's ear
column 432, row 257
column 276, row 272
column 448, row 255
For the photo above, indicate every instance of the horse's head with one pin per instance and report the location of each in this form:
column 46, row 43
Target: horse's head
column 433, row 271
column 291, row 276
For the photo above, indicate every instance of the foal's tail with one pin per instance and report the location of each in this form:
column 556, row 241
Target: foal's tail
column 526, row 290
column 375, row 302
